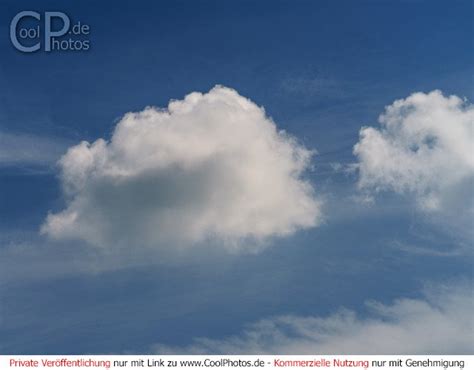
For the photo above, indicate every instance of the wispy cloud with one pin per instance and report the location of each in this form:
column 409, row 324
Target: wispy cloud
column 313, row 87
column 20, row 149
column 439, row 323
column 461, row 250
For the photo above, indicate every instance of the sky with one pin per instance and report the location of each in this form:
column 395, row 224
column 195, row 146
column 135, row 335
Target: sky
column 209, row 177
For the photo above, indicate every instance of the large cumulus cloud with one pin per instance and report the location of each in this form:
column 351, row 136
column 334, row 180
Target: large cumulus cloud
column 424, row 147
column 210, row 166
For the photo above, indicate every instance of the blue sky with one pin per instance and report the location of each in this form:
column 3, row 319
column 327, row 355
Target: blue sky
column 321, row 70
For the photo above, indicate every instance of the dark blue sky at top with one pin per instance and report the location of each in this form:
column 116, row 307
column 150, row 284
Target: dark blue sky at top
column 321, row 69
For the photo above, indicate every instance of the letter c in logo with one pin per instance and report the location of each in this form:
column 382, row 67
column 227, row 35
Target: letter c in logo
column 14, row 38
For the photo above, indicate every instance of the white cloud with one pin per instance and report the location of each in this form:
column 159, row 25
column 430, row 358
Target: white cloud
column 425, row 147
column 441, row 323
column 211, row 166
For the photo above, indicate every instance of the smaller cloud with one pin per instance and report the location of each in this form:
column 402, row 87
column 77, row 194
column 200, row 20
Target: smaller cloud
column 30, row 150
column 440, row 323
column 423, row 148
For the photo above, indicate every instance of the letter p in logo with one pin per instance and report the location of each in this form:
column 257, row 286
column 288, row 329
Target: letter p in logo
column 48, row 33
